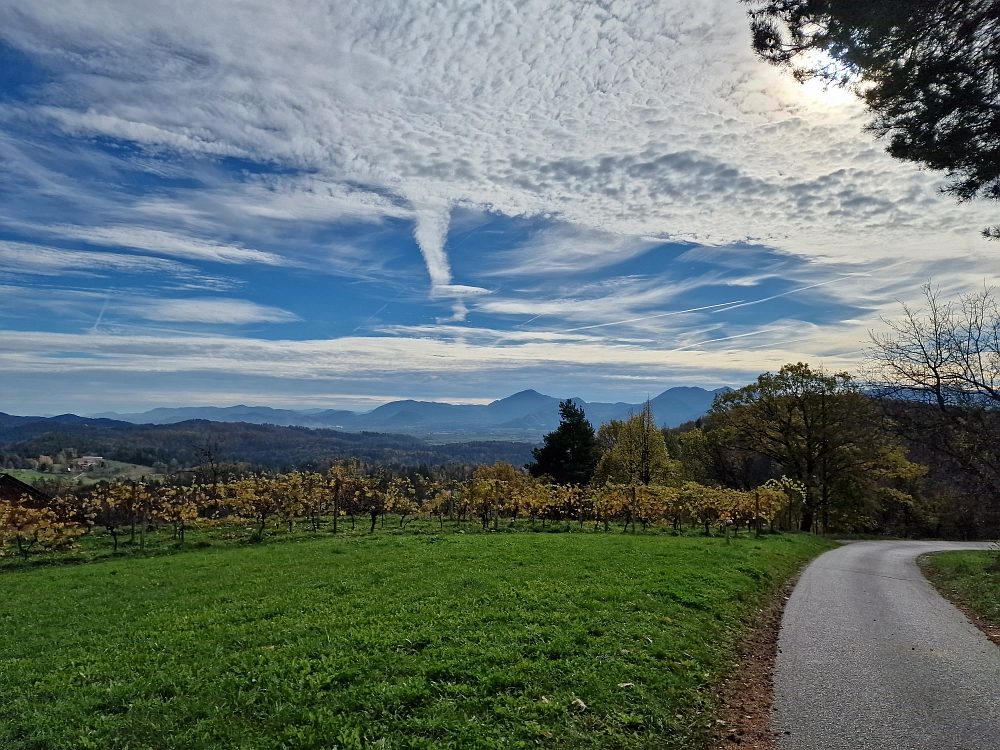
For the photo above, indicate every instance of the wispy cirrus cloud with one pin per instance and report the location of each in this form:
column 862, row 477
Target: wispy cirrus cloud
column 29, row 258
column 167, row 243
column 347, row 357
column 209, row 310
column 568, row 249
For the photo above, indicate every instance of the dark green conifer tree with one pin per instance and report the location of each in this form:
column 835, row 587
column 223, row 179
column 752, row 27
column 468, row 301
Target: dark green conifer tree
column 570, row 453
column 928, row 71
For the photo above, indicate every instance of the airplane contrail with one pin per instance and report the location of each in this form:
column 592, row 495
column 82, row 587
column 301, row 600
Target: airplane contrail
column 100, row 317
column 717, row 308
column 792, row 291
column 727, row 338
column 650, row 317
column 370, row 317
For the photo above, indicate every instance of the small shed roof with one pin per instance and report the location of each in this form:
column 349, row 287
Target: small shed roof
column 13, row 489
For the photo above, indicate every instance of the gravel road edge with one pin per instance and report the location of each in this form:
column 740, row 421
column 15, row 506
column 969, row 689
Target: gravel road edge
column 746, row 697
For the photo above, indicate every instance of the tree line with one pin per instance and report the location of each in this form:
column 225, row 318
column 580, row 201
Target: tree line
column 910, row 446
column 275, row 448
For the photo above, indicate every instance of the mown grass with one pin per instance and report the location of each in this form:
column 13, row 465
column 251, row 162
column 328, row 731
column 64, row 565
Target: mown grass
column 971, row 578
column 408, row 641
column 98, row 544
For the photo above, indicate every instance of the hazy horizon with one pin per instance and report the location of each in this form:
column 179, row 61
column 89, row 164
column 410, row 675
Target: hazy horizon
column 307, row 409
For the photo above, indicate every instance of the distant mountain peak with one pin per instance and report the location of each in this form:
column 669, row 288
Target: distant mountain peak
column 525, row 415
column 529, row 393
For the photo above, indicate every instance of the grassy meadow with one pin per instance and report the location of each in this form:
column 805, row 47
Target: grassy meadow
column 971, row 578
column 583, row 640
column 106, row 471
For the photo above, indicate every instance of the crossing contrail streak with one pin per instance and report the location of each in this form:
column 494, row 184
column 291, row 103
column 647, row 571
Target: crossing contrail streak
column 651, row 317
column 721, row 307
column 727, row 338
column 741, row 303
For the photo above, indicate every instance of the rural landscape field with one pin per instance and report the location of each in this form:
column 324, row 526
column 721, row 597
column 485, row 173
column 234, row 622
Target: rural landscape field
column 598, row 596
column 416, row 640
column 506, row 374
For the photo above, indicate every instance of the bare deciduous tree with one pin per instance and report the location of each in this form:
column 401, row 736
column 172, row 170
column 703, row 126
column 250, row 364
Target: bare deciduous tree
column 937, row 370
column 947, row 353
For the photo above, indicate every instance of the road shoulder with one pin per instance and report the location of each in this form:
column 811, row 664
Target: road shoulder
column 747, row 696
column 946, row 586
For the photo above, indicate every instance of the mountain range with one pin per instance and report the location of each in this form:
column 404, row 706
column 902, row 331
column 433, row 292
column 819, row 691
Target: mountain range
column 526, row 415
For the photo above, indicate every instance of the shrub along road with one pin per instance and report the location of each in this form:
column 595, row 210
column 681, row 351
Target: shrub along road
column 871, row 656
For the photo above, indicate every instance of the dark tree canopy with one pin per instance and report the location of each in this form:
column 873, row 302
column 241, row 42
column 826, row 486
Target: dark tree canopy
column 825, row 433
column 929, row 71
column 570, row 453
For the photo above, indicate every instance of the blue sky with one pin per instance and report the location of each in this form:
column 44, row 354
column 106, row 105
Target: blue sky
column 335, row 205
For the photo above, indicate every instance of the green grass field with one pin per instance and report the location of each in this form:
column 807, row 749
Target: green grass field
column 109, row 471
column 583, row 640
column 970, row 578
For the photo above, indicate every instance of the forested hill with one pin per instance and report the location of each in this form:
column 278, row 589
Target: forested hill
column 269, row 446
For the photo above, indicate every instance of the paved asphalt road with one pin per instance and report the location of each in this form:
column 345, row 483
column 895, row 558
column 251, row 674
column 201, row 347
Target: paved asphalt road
column 872, row 657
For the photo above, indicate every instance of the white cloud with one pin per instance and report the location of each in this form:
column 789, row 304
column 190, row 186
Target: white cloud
column 209, row 310
column 305, row 197
column 217, row 217
column 640, row 118
column 568, row 248
column 25, row 257
column 168, row 243
column 430, row 231
column 622, row 124
column 472, row 353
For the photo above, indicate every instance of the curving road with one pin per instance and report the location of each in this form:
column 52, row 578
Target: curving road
column 872, row 657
